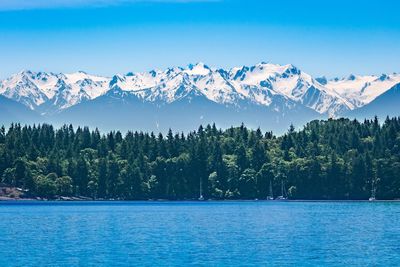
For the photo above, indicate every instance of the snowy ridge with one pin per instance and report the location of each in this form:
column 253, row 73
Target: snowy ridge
column 263, row 84
column 361, row 90
column 37, row 89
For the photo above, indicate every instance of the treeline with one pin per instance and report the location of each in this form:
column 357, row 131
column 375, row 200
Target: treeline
column 334, row 159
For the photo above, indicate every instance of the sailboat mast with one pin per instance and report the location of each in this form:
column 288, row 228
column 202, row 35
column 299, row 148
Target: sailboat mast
column 270, row 189
column 201, row 188
column 373, row 190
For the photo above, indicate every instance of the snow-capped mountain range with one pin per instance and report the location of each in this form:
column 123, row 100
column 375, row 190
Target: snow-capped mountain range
column 56, row 91
column 279, row 88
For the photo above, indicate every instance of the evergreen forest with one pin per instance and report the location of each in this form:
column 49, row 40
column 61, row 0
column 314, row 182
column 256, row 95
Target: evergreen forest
column 329, row 159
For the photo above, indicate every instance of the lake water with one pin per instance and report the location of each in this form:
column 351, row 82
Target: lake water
column 199, row 234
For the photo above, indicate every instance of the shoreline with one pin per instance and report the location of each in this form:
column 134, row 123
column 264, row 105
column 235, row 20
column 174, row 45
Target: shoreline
column 83, row 200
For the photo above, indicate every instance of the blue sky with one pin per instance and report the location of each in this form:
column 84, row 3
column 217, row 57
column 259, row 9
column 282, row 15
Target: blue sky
column 104, row 37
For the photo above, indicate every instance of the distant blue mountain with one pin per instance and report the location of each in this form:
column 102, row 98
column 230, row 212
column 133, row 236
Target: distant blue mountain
column 124, row 111
column 387, row 104
column 12, row 111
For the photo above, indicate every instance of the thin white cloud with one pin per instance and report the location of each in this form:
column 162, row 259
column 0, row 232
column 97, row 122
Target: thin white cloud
column 44, row 4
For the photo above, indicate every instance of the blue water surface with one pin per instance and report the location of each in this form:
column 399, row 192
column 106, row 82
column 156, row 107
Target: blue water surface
column 200, row 234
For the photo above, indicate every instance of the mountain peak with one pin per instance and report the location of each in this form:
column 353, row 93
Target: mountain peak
column 198, row 69
column 383, row 77
column 198, row 64
column 351, row 77
column 322, row 80
column 26, row 71
column 25, row 74
column 291, row 69
column 115, row 79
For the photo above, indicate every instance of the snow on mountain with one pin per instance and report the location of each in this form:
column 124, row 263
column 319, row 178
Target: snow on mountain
column 23, row 87
column 81, row 82
column 386, row 104
column 214, row 84
column 41, row 90
column 199, row 69
column 169, row 90
column 361, row 90
column 264, row 80
column 263, row 84
column 174, row 83
column 259, row 84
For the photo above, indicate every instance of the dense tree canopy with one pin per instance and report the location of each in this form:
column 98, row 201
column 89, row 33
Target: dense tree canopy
column 334, row 159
